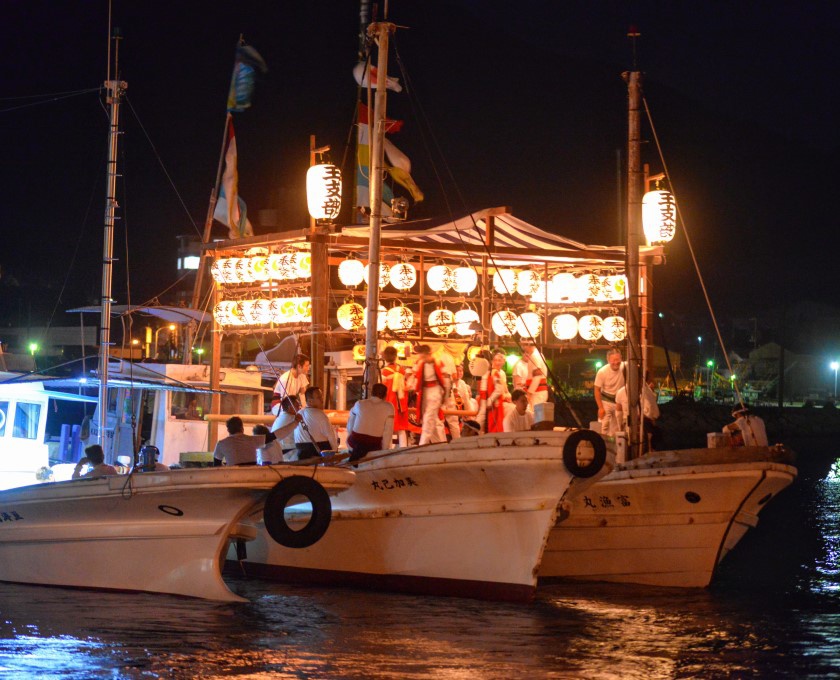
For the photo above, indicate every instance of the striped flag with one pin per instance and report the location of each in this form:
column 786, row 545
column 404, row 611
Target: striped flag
column 245, row 67
column 230, row 208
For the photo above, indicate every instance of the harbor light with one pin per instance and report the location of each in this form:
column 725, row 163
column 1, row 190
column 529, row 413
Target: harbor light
column 33, row 347
column 834, row 366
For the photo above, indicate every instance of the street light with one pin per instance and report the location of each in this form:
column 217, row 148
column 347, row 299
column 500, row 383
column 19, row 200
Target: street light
column 834, row 366
column 171, row 327
column 710, row 364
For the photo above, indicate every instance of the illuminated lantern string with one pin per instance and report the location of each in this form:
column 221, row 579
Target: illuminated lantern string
column 562, row 288
column 615, row 287
column 659, row 216
column 304, row 265
column 216, row 271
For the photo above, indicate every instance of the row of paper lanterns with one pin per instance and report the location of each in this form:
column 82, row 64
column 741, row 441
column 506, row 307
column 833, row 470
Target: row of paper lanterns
column 505, row 323
column 277, row 267
column 263, row 311
column 559, row 289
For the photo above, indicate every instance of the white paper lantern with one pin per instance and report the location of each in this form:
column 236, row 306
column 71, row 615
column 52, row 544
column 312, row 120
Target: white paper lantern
column 540, row 294
column 615, row 287
column 287, row 310
column 351, row 273
column 440, row 278
column 323, row 191
column 591, row 284
column 258, row 268
column 229, row 272
column 384, row 274
column 216, row 271
column 659, row 216
column 503, row 323
column 615, row 329
column 529, row 325
column 561, row 288
column 527, row 282
column 504, row 281
column 303, row 309
column 442, row 322
column 304, row 265
column 403, row 276
column 580, row 291
column 237, row 314
column 399, row 319
column 223, row 312
column 591, row 327
column 464, row 319
column 381, row 318
column 466, row 280
column 351, row 316
column 564, row 326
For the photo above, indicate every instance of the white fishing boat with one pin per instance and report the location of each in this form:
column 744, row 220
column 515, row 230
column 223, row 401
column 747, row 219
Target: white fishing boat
column 158, row 532
column 469, row 518
column 665, row 518
column 162, row 532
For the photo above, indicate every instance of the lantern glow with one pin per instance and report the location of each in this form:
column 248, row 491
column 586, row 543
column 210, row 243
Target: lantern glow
column 440, row 278
column 323, row 191
column 564, row 326
column 464, row 319
column 503, row 323
column 351, row 273
column 403, row 276
column 442, row 322
column 659, row 216
column 466, row 280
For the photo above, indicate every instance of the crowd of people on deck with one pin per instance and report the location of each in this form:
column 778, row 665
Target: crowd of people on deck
column 429, row 402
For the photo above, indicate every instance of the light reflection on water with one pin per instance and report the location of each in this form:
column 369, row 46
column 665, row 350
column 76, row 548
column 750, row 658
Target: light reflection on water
column 773, row 612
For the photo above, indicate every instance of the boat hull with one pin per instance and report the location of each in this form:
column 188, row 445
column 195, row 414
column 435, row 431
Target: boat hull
column 161, row 532
column 666, row 519
column 469, row 518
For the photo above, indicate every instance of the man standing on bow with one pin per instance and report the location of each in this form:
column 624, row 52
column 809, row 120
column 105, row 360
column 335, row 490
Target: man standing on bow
column 292, row 383
column 529, row 375
column 608, row 380
column 432, row 384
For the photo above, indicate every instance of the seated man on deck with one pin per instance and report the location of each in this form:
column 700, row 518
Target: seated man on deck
column 747, row 430
column 370, row 425
column 315, row 433
column 240, row 448
column 519, row 418
column 95, row 455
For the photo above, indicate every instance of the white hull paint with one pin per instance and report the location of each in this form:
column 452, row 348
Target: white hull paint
column 160, row 532
column 468, row 518
column 666, row 519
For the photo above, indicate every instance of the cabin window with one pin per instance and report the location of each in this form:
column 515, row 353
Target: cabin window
column 26, row 420
column 4, row 410
column 189, row 405
column 233, row 402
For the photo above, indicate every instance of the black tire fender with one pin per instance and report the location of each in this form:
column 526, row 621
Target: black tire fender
column 570, row 453
column 274, row 513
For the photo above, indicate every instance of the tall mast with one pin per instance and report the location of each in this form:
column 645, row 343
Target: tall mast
column 634, row 229
column 115, row 89
column 381, row 32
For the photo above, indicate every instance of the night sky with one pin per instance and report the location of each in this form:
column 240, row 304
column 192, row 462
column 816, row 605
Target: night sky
column 517, row 104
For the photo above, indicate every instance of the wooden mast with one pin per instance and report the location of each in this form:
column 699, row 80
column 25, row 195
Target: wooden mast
column 634, row 229
column 115, row 89
column 381, row 32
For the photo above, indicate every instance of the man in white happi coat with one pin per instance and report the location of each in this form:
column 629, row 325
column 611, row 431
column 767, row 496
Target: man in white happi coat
column 608, row 380
column 530, row 375
column 315, row 434
column 432, row 384
column 292, row 383
column 748, row 429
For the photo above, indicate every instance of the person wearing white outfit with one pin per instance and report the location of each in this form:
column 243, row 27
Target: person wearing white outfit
column 608, row 380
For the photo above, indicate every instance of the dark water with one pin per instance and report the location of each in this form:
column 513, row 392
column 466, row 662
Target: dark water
column 773, row 612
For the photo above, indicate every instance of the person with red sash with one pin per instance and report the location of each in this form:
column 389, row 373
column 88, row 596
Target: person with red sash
column 496, row 393
column 432, row 384
column 529, row 375
column 394, row 379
